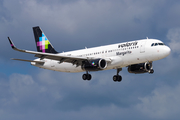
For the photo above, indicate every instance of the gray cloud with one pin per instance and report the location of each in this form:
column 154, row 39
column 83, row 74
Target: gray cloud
column 174, row 37
column 35, row 97
column 26, row 95
column 162, row 103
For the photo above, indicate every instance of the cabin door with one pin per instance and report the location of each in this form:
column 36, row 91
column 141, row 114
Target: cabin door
column 142, row 46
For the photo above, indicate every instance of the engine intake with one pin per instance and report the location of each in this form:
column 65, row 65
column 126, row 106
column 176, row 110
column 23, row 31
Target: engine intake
column 94, row 65
column 140, row 68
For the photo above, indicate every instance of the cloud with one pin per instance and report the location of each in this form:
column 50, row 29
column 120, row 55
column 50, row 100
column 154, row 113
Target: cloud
column 21, row 91
column 171, row 62
column 60, row 95
column 162, row 103
column 174, row 37
column 38, row 96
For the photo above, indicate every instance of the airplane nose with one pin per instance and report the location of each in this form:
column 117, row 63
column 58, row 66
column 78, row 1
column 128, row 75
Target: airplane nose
column 167, row 50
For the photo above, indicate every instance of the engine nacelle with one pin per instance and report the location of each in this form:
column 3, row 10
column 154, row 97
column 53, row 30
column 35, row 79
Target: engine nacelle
column 140, row 68
column 94, row 65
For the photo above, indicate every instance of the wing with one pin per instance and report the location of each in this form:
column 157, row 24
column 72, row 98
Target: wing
column 75, row 60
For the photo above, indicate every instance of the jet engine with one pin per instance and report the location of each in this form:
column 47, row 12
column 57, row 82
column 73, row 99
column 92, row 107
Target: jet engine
column 94, row 65
column 141, row 68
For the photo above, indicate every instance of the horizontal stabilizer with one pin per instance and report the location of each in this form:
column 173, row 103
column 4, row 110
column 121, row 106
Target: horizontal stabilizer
column 27, row 60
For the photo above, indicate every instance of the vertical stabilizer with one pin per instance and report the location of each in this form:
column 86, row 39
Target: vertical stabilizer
column 42, row 43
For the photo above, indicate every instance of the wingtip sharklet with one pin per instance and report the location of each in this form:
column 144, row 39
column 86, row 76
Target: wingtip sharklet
column 11, row 43
column 13, row 46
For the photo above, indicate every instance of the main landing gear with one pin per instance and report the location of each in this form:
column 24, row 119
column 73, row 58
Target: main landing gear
column 117, row 77
column 86, row 76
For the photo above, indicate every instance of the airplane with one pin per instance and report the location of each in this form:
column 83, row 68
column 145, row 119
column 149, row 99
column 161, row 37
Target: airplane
column 137, row 56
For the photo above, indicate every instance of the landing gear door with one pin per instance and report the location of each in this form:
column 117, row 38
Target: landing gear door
column 142, row 46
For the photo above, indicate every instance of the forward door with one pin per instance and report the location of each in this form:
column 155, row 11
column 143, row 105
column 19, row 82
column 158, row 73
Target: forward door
column 142, row 46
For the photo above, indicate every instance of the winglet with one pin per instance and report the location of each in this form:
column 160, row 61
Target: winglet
column 13, row 46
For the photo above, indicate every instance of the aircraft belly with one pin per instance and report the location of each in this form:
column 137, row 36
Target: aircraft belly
column 67, row 67
column 61, row 67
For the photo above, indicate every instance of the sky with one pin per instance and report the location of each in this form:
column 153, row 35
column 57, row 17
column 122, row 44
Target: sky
column 28, row 92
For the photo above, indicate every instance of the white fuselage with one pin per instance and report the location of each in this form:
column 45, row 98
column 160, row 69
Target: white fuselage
column 120, row 55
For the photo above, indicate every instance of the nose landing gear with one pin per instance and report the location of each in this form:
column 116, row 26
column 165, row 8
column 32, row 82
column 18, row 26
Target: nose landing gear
column 151, row 71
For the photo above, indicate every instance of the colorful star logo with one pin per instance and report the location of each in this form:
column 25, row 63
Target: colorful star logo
column 43, row 43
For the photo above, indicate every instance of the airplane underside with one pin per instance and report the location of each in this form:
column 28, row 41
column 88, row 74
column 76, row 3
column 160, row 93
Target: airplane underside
column 68, row 67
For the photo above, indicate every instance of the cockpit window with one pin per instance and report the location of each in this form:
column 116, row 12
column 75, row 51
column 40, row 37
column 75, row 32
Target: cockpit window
column 156, row 44
column 161, row 43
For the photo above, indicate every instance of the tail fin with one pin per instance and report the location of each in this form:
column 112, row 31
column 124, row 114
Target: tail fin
column 42, row 43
